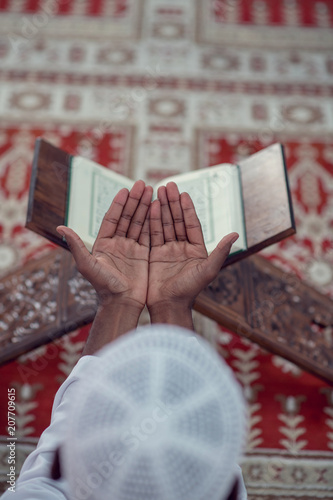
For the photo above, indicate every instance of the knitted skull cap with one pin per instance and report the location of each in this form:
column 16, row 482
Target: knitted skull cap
column 157, row 416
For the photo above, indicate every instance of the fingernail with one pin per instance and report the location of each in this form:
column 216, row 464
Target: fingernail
column 235, row 238
column 62, row 234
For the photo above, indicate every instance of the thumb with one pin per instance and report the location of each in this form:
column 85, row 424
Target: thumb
column 77, row 247
column 221, row 252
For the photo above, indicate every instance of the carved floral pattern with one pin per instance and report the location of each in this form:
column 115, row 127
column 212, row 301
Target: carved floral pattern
column 28, row 302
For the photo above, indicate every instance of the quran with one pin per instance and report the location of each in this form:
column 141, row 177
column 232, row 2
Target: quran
column 251, row 197
column 216, row 194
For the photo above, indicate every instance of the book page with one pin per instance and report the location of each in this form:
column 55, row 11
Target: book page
column 92, row 189
column 215, row 191
column 217, row 197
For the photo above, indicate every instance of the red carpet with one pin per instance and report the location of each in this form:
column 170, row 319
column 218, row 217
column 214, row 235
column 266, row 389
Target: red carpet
column 154, row 88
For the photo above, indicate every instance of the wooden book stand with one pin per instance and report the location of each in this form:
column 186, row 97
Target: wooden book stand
column 49, row 297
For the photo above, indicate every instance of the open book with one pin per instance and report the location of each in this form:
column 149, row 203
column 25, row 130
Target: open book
column 252, row 198
column 216, row 193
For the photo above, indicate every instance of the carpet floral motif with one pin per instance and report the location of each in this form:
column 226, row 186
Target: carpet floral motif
column 155, row 88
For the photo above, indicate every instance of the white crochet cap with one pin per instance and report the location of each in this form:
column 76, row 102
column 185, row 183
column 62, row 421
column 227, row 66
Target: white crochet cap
column 161, row 418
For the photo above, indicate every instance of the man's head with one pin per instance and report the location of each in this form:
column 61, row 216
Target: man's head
column 162, row 418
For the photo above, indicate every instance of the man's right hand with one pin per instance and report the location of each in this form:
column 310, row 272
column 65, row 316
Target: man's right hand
column 179, row 266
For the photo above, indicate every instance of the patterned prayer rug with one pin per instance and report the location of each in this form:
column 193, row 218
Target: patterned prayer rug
column 151, row 88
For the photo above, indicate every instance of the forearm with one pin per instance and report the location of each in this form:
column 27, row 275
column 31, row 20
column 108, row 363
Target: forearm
column 111, row 321
column 172, row 313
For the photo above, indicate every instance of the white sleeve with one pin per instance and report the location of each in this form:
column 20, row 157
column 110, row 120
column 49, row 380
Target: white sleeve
column 34, row 482
column 242, row 493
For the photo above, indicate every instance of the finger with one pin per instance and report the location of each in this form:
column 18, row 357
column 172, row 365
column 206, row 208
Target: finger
column 167, row 220
column 112, row 216
column 218, row 256
column 140, row 215
column 176, row 210
column 132, row 202
column 156, row 228
column 191, row 220
column 84, row 260
column 145, row 233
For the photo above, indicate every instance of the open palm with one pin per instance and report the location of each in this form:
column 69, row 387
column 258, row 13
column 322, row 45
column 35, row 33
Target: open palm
column 118, row 265
column 179, row 266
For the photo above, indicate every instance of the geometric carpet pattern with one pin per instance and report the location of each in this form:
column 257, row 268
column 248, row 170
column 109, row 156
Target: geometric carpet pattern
column 154, row 88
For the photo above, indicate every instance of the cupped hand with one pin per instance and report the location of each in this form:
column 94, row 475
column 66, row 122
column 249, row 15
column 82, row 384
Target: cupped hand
column 117, row 267
column 179, row 266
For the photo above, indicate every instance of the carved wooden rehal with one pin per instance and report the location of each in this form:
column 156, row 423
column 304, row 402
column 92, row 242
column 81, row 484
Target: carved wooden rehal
column 49, row 297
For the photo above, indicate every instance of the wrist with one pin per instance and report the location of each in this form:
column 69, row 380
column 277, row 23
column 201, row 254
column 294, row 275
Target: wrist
column 113, row 302
column 125, row 309
column 175, row 312
column 111, row 321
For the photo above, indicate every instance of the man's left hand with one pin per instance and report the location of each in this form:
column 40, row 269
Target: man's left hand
column 118, row 266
